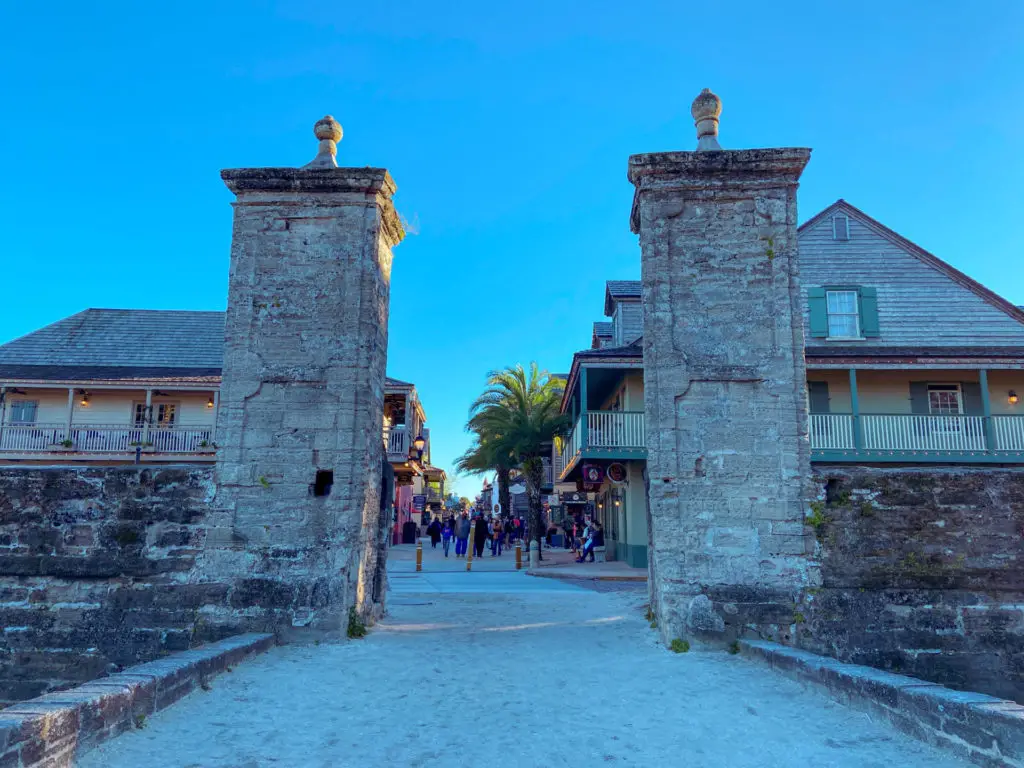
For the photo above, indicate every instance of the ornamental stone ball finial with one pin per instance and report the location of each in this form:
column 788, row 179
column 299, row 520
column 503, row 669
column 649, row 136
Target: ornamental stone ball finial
column 329, row 132
column 705, row 110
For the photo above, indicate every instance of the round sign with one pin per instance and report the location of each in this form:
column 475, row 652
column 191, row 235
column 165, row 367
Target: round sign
column 592, row 475
column 617, row 473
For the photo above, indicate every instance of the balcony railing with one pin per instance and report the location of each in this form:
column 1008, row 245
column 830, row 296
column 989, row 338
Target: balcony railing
column 605, row 431
column 104, row 438
column 931, row 433
column 615, row 429
column 396, row 440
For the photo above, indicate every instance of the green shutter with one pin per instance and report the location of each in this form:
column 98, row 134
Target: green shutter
column 817, row 395
column 818, row 312
column 971, row 393
column 869, row 312
column 919, row 397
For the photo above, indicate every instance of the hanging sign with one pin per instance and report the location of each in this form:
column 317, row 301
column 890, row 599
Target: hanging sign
column 617, row 473
column 593, row 474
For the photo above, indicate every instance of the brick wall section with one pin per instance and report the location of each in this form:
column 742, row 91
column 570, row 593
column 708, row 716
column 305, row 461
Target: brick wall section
column 724, row 387
column 923, row 574
column 96, row 572
column 53, row 730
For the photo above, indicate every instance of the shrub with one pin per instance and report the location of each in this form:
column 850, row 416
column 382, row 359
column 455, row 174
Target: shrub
column 356, row 627
column 679, row 646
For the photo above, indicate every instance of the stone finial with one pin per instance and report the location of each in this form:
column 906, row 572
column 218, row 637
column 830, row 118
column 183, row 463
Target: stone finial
column 328, row 130
column 705, row 110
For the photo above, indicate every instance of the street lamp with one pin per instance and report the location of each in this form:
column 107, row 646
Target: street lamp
column 419, row 444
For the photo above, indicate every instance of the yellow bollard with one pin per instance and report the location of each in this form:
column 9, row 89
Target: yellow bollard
column 469, row 546
column 419, row 555
column 519, row 555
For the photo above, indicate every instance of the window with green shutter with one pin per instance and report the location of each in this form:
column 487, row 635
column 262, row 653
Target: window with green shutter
column 843, row 312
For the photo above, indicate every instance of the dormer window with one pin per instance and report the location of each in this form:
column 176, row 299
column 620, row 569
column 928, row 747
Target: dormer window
column 840, row 227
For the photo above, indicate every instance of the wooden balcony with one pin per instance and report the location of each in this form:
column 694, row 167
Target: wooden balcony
column 604, row 435
column 916, row 438
column 92, row 442
column 397, row 442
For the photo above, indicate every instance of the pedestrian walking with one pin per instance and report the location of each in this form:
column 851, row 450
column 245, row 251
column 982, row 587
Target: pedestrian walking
column 480, row 536
column 462, row 535
column 498, row 531
column 447, row 532
column 434, row 532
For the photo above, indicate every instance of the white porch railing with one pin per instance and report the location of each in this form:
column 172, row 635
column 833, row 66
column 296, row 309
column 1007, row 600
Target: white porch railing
column 605, row 429
column 835, row 431
column 615, row 429
column 571, row 444
column 104, row 438
column 396, row 440
column 831, row 430
column 32, row 437
column 1009, row 432
column 924, row 433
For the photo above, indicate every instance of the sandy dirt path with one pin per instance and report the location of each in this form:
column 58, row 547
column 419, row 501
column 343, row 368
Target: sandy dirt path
column 505, row 669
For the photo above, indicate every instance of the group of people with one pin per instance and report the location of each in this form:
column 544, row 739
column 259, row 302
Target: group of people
column 580, row 535
column 490, row 532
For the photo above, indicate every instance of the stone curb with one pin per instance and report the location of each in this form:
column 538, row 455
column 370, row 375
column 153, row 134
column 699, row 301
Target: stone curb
column 980, row 728
column 52, row 729
column 581, row 577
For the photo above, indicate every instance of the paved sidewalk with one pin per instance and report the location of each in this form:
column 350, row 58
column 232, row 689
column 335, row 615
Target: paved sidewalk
column 501, row 668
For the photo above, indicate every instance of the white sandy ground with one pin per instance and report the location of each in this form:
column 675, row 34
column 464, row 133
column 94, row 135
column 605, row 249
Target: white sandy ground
column 520, row 671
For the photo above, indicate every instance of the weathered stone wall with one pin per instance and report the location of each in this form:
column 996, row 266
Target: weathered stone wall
column 724, row 387
column 923, row 574
column 301, row 406
column 97, row 572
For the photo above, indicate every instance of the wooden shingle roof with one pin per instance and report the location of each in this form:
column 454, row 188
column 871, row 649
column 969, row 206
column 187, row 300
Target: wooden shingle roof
column 119, row 343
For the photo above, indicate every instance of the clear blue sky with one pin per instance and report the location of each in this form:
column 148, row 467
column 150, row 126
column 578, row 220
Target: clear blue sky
column 507, row 127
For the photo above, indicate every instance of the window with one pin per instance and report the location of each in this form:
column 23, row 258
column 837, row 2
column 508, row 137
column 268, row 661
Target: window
column 164, row 414
column 24, row 411
column 843, row 314
column 945, row 400
column 840, row 227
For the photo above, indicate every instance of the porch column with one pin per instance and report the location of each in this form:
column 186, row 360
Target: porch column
column 71, row 411
column 149, row 417
column 3, row 412
column 858, row 428
column 583, row 407
column 986, row 412
column 216, row 410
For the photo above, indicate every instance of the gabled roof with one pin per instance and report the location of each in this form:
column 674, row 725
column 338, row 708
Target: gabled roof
column 841, row 206
column 603, row 329
column 617, row 290
column 120, row 343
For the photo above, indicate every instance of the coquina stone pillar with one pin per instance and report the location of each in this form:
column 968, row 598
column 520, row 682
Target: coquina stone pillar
column 724, row 384
column 299, row 433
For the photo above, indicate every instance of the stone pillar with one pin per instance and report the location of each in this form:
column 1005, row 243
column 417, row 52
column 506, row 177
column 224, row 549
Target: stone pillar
column 300, row 410
column 724, row 385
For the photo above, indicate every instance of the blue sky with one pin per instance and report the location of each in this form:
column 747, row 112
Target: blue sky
column 507, row 128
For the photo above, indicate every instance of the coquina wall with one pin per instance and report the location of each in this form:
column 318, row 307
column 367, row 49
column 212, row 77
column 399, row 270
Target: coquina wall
column 96, row 572
column 922, row 574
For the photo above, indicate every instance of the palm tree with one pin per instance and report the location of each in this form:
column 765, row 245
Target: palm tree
column 515, row 418
column 483, row 456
